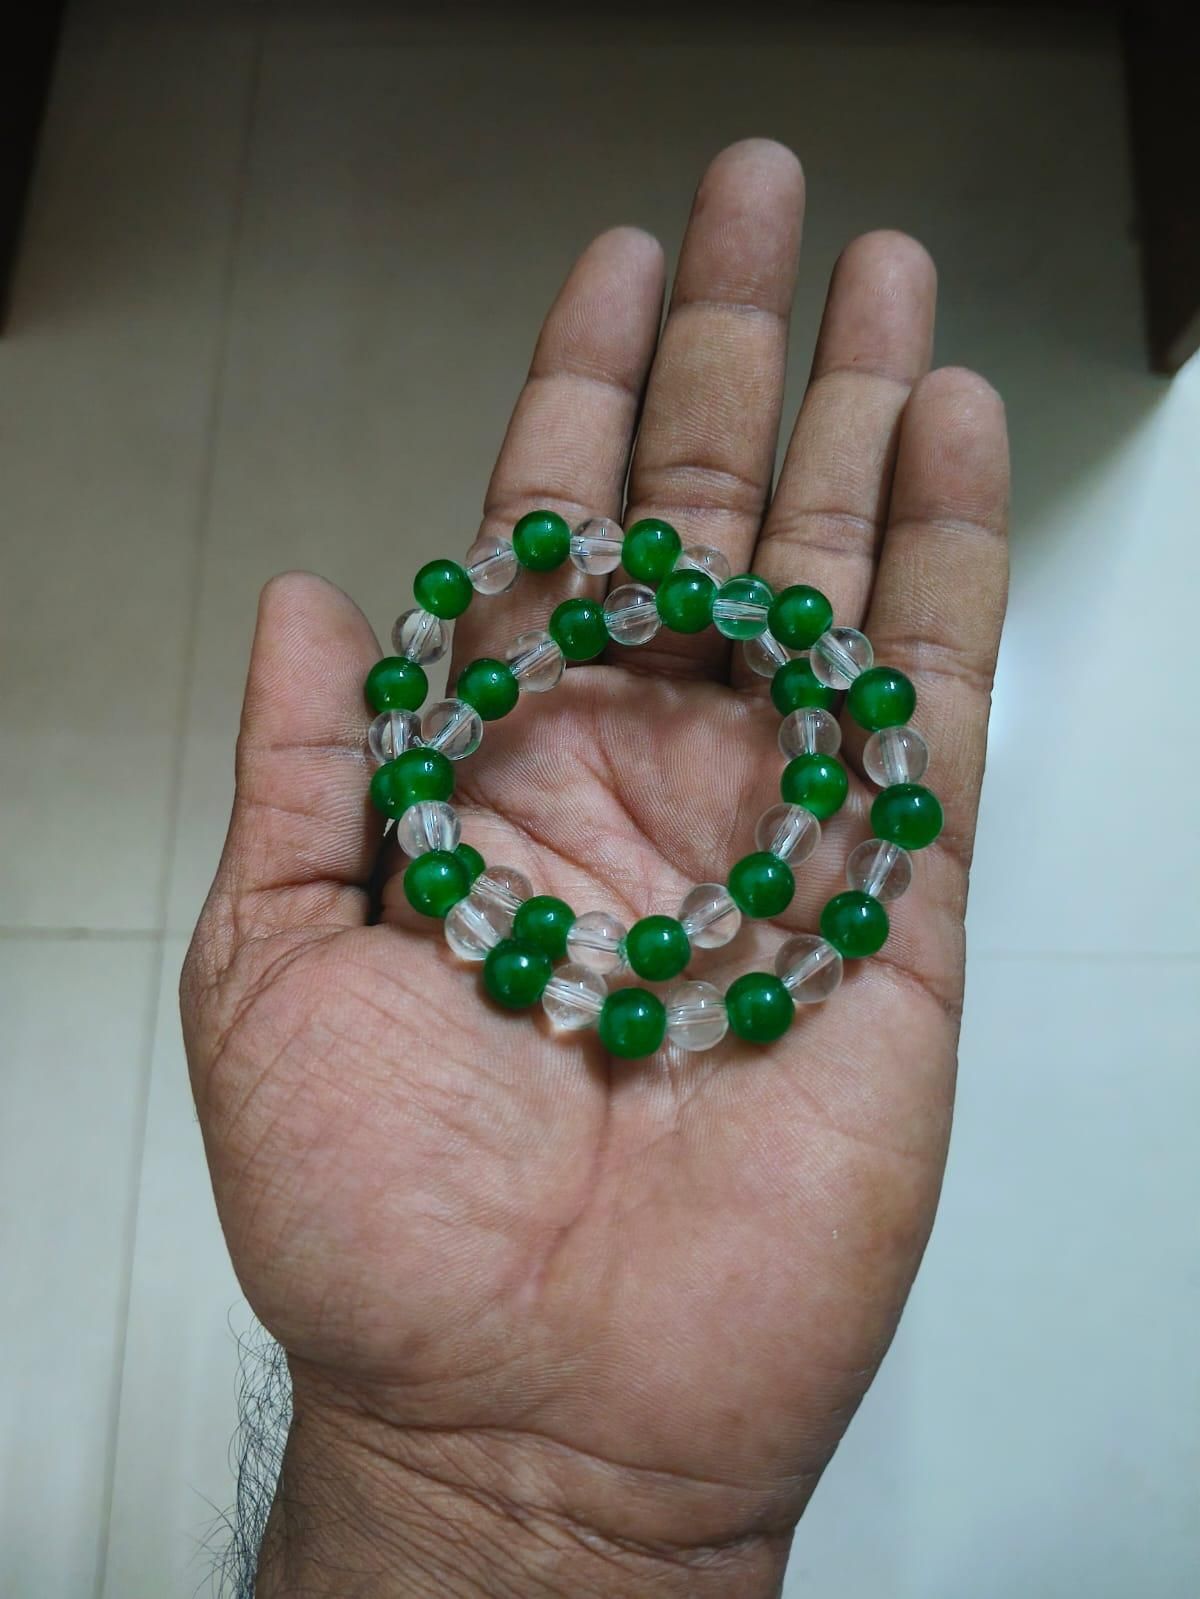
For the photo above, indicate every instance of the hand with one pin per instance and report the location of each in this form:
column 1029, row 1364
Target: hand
column 559, row 1323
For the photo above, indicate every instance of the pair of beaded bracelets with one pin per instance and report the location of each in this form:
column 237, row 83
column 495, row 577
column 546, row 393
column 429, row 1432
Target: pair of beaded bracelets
column 533, row 947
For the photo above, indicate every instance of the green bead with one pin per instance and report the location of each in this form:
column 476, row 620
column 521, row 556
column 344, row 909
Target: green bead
column 577, row 627
column 908, row 815
column 395, row 684
column 542, row 541
column 489, row 686
column 761, row 884
column 796, row 687
column 632, row 1023
column 759, row 1007
column 543, row 922
column 444, row 588
column 435, row 882
column 657, row 948
column 471, row 859
column 741, row 607
column 685, row 600
column 417, row 774
column 799, row 616
column 650, row 549
column 881, row 697
column 854, row 923
column 515, row 974
column 818, row 782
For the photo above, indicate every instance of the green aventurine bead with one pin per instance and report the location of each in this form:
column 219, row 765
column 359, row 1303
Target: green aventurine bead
column 685, row 600
column 799, row 616
column 761, row 884
column 632, row 1023
column 444, row 588
column 881, row 697
column 395, row 684
column 854, row 923
column 908, row 815
column 818, row 782
column 435, row 882
column 543, row 922
column 471, row 859
column 759, row 1007
column 741, row 607
column 577, row 627
column 417, row 774
column 489, row 686
column 796, row 687
column 542, row 540
column 657, row 948
column 649, row 550
column 515, row 974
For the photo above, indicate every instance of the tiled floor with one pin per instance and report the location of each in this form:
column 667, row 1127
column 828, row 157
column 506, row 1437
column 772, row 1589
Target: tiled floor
column 280, row 278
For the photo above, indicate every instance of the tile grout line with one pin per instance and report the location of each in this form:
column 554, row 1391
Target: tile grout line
column 203, row 516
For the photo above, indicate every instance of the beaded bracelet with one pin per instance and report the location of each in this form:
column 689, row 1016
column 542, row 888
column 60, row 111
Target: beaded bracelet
column 491, row 915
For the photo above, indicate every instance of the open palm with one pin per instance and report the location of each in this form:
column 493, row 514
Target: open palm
column 631, row 1304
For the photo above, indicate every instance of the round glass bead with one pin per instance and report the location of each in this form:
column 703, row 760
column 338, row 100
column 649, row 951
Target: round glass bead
column 895, row 755
column 395, row 684
column 759, row 1007
column 542, row 540
column 799, row 615
column 489, row 686
column 696, row 1016
column 839, row 655
column 908, row 815
column 429, row 824
column 596, row 546
column 881, row 697
column 543, row 922
column 657, row 948
column 596, row 941
column 854, row 923
column 761, row 884
column 391, row 733
column 880, row 869
column 632, row 1023
column 709, row 916
column 577, row 627
column 818, row 782
column 573, row 998
column 453, row 727
column 472, row 928
column 809, row 732
column 536, row 661
column 631, row 615
column 420, row 636
column 492, row 565
column 417, row 774
column 650, row 549
column 788, row 831
column 502, row 890
column 741, row 606
column 471, row 859
column 515, row 975
column 764, row 655
column 685, row 600
column 435, row 882
column 443, row 588
column 795, row 686
column 809, row 967
column 703, row 558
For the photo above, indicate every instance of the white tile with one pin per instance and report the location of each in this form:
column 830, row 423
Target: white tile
column 74, row 1015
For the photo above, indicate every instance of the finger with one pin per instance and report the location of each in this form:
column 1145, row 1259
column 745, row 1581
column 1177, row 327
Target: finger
column 706, row 448
column 568, row 442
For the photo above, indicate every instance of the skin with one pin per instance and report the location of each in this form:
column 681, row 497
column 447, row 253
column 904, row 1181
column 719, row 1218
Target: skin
column 559, row 1323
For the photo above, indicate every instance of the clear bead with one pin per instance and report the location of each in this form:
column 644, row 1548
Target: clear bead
column 452, row 727
column 420, row 636
column 895, row 755
column 596, row 546
column 840, row 655
column 696, row 1016
column 391, row 733
column 880, row 869
column 703, row 558
column 536, row 660
column 738, row 617
column 429, row 824
column 631, row 615
column 810, row 968
column 709, row 916
column 574, row 997
column 502, row 889
column 788, row 831
column 596, row 940
column 810, row 731
column 492, row 565
column 473, row 927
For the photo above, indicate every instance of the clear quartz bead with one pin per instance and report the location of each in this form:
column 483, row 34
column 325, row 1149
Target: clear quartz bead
column 473, row 927
column 631, row 615
column 536, row 660
column 391, row 733
column 492, row 565
column 503, row 890
column 788, row 831
column 709, row 916
column 810, row 968
column 731, row 613
column 429, row 824
column 453, row 728
column 764, row 654
column 696, row 1016
column 596, row 546
column 420, row 636
column 840, row 655
column 703, row 558
column 574, row 997
column 596, row 940
column 895, row 755
column 880, row 869
column 810, row 731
